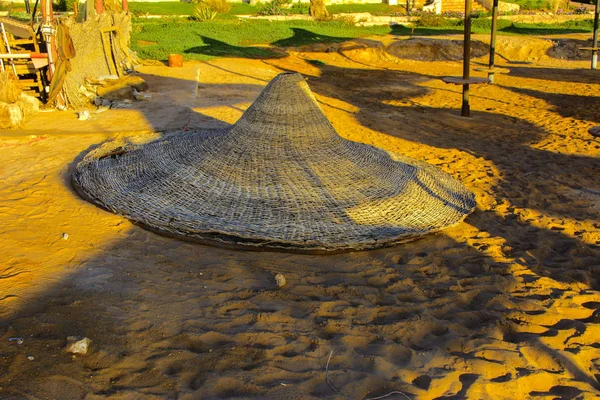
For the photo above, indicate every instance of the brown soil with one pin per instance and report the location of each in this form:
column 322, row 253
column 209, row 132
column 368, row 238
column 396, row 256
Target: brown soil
column 504, row 306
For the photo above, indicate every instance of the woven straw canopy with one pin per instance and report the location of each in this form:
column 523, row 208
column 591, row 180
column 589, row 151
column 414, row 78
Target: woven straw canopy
column 280, row 178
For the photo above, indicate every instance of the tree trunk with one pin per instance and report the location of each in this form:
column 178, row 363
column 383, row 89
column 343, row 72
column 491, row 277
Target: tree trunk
column 317, row 9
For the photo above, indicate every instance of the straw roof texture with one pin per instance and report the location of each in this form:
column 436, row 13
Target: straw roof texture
column 280, row 178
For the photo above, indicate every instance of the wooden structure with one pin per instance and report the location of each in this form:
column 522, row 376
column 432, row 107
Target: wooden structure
column 111, row 40
column 466, row 79
column 40, row 54
column 594, row 49
column 491, row 68
column 22, row 52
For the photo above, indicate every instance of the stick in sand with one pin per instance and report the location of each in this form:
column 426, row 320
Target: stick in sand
column 327, row 373
column 594, row 48
column 466, row 109
column 493, row 41
column 337, row 391
column 466, row 79
column 595, row 37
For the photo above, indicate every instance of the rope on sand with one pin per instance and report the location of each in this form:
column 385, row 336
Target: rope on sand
column 337, row 391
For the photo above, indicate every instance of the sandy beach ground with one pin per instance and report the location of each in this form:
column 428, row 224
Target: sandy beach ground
column 504, row 306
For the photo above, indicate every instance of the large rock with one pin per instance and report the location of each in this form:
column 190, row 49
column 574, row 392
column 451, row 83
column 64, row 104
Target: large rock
column 119, row 91
column 122, row 89
column 10, row 87
column 29, row 105
column 136, row 82
column 317, row 9
column 10, row 115
column 505, row 7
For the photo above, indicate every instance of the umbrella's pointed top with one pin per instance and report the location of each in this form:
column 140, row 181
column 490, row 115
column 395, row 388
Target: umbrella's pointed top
column 286, row 106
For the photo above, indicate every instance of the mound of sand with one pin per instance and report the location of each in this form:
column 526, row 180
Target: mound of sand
column 365, row 51
column 426, row 49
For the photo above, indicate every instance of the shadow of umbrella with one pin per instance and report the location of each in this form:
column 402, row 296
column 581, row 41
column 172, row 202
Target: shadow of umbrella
column 526, row 29
column 401, row 30
column 521, row 165
column 217, row 48
column 302, row 37
column 556, row 74
column 567, row 105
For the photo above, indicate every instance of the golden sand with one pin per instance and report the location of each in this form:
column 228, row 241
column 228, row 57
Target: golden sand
column 504, row 306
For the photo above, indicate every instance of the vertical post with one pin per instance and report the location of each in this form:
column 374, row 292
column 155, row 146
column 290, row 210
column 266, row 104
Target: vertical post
column 47, row 32
column 7, row 44
column 595, row 37
column 35, row 6
column 493, row 41
column 2, row 60
column 466, row 110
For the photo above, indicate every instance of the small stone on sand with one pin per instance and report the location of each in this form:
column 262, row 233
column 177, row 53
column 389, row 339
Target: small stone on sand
column 280, row 279
column 77, row 345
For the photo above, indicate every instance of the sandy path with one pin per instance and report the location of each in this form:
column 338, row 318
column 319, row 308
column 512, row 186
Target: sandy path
column 505, row 305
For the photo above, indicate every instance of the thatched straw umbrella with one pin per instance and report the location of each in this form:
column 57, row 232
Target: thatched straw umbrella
column 280, row 178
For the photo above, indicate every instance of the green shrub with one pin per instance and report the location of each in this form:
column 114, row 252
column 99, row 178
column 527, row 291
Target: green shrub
column 203, row 12
column 220, row 6
column 431, row 20
column 529, row 5
column 298, row 8
column 480, row 14
column 207, row 10
column 274, row 7
column 63, row 5
column 484, row 24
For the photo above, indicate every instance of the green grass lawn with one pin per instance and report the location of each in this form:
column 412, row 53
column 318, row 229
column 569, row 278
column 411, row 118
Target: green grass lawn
column 242, row 9
column 157, row 38
column 375, row 9
column 162, row 8
column 532, row 5
column 181, row 8
column 546, row 5
column 504, row 26
column 241, row 38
